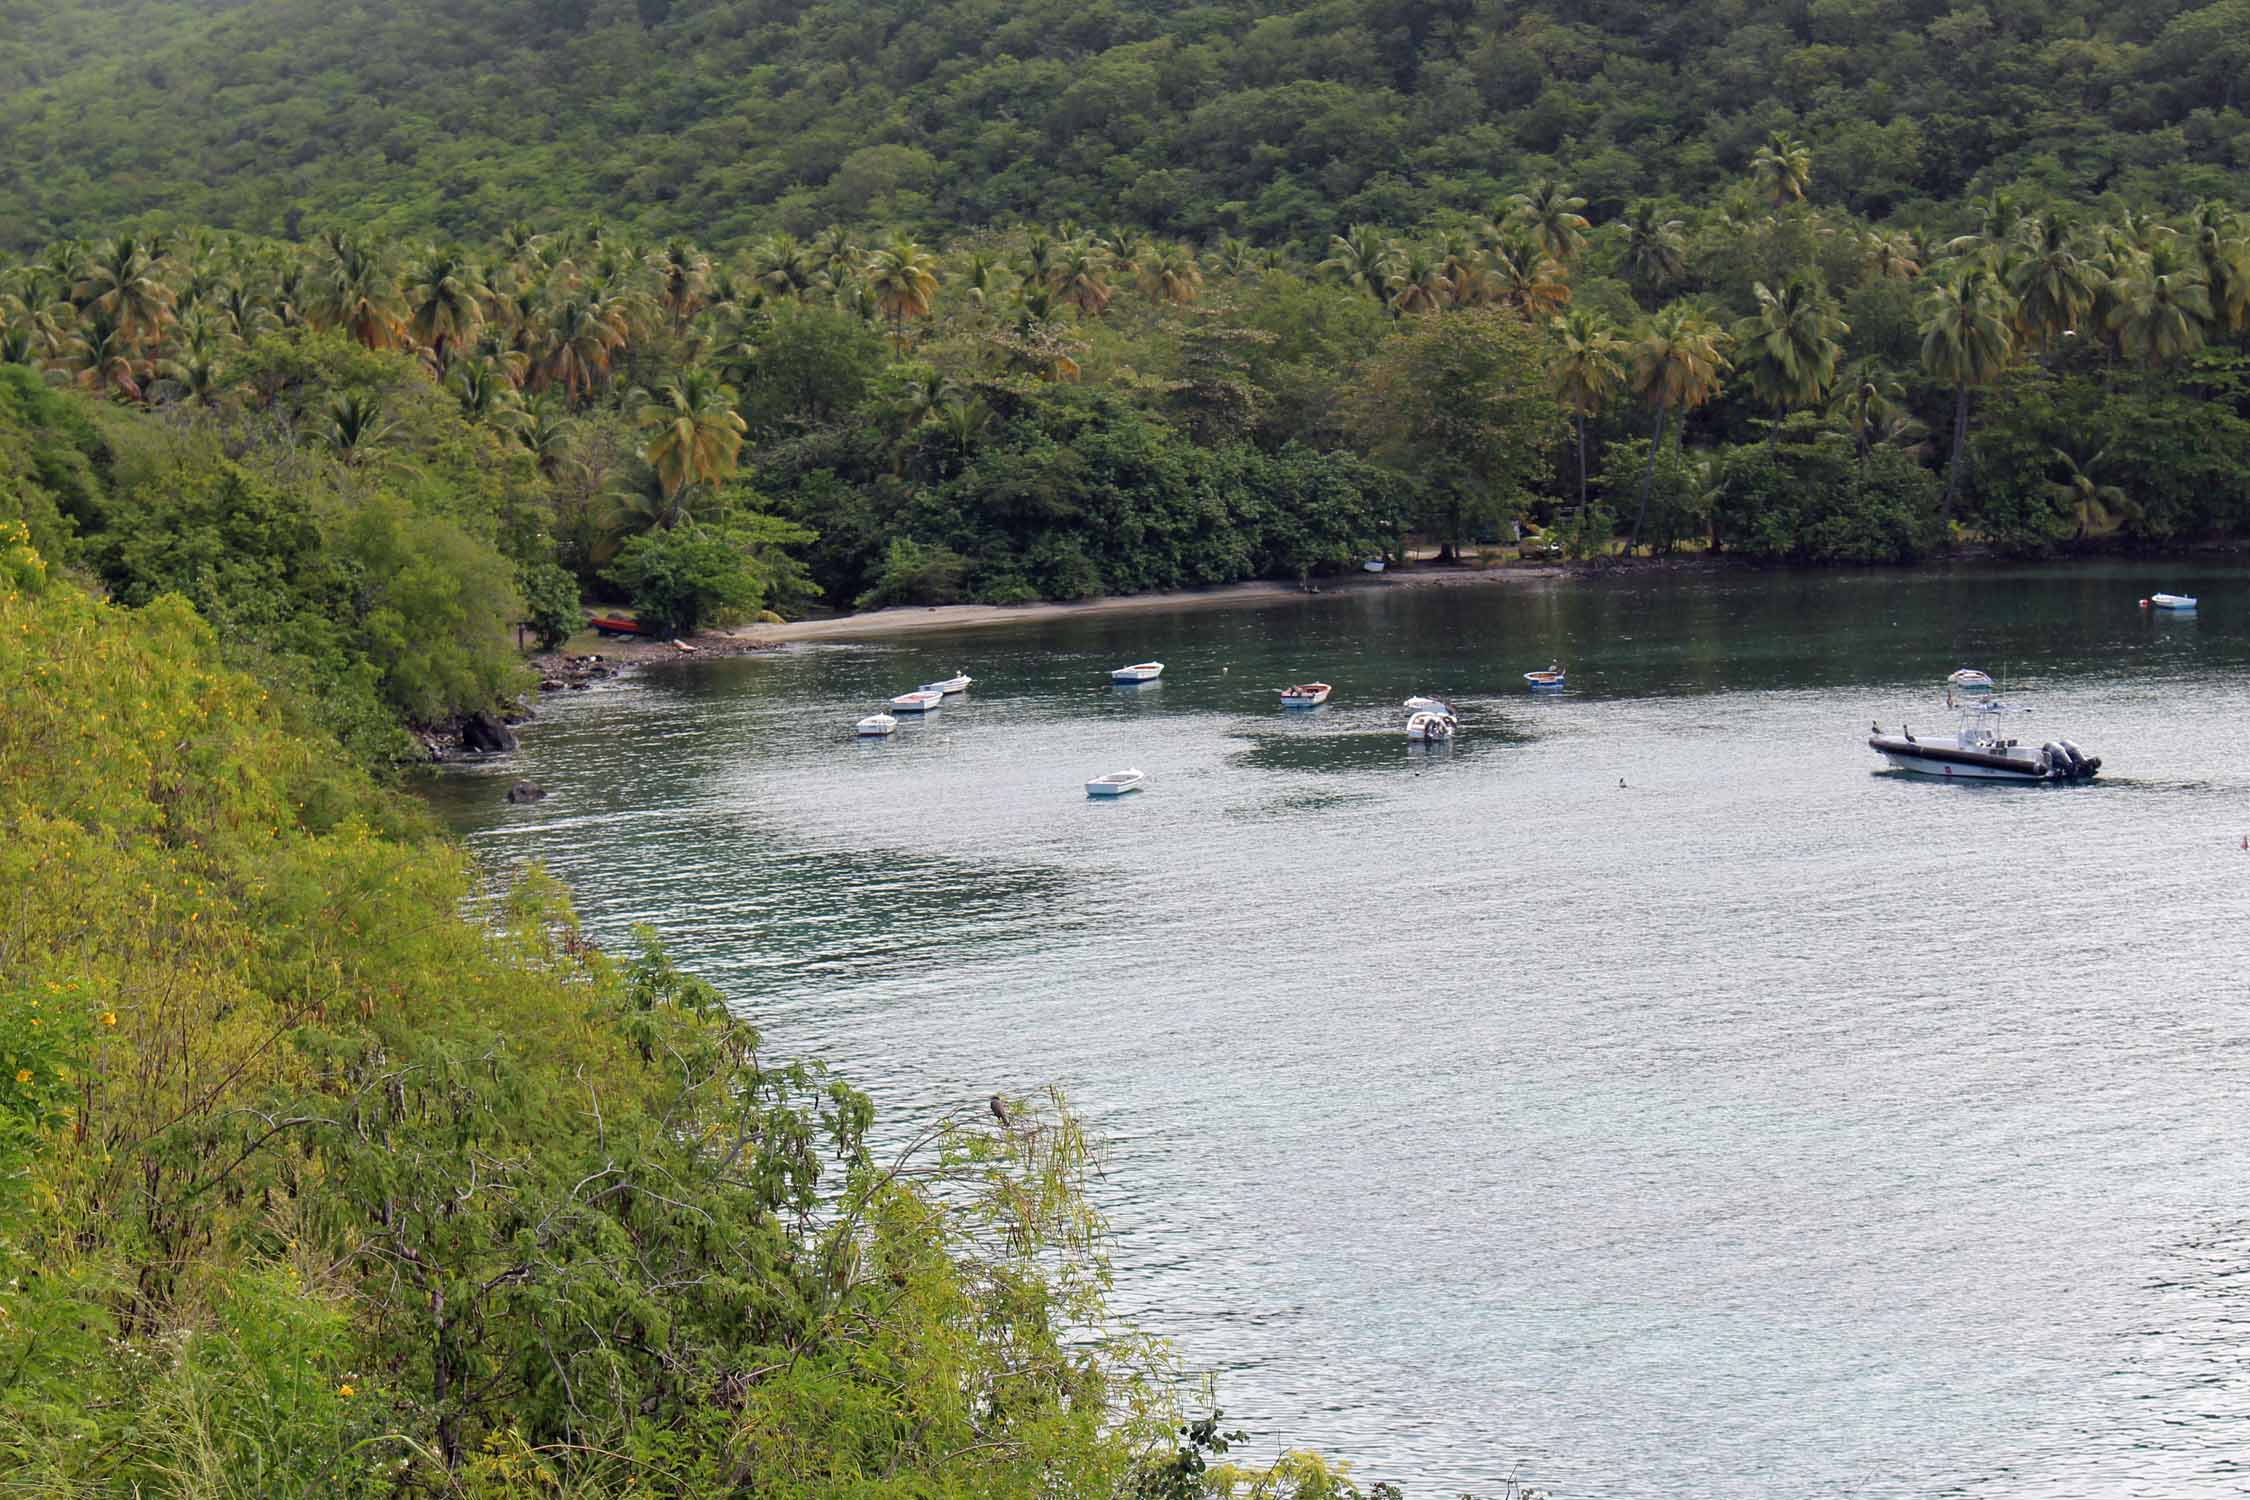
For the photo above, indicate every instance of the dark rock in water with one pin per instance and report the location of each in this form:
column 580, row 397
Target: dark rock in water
column 486, row 735
column 526, row 791
column 580, row 686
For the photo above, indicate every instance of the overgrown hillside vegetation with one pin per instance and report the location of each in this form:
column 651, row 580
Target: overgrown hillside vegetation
column 724, row 119
column 312, row 1186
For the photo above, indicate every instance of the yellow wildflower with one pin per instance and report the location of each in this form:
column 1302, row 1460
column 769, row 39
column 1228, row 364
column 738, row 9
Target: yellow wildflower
column 109, row 1018
column 23, row 1075
column 345, row 1389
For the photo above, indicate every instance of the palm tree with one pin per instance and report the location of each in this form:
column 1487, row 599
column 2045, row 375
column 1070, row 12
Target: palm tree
column 1419, row 283
column 782, row 266
column 903, row 277
column 1677, row 365
column 1169, row 274
column 484, row 390
column 1872, row 402
column 106, row 358
column 1655, row 247
column 683, row 276
column 120, row 281
column 1893, row 256
column 1365, row 258
column 2000, row 218
column 1967, row 340
column 1235, row 259
column 2096, row 508
column 1783, row 167
column 357, row 427
column 1587, row 373
column 1551, row 212
column 2161, row 313
column 545, row 432
column 1790, row 350
column 2054, row 288
column 2222, row 245
column 1526, row 278
column 359, row 294
column 694, row 433
column 581, row 334
column 444, row 304
column 980, row 279
column 1081, row 278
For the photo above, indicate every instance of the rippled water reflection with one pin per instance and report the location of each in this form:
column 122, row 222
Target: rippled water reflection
column 1765, row 1126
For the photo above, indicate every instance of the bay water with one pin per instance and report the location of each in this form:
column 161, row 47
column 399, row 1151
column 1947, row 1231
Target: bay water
column 1646, row 1095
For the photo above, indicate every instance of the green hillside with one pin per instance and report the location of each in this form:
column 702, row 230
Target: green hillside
column 1274, row 121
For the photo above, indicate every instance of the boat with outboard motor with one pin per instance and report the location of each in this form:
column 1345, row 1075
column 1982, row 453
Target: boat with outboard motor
column 2169, row 601
column 1980, row 747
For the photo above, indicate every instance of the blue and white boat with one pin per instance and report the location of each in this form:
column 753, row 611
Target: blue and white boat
column 957, row 683
column 1551, row 680
column 1138, row 672
column 2169, row 601
column 1980, row 748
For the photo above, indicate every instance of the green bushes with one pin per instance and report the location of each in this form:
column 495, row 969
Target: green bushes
column 310, row 1186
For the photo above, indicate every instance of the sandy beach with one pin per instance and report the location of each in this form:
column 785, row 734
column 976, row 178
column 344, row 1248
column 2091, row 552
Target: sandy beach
column 915, row 620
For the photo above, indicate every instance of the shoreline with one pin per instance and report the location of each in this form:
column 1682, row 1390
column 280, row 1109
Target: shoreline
column 901, row 620
column 909, row 620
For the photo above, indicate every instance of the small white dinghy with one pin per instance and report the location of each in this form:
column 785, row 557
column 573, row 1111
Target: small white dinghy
column 1115, row 784
column 1305, row 695
column 1430, row 727
column 957, row 683
column 1140, row 671
column 1553, row 678
column 920, row 701
column 874, row 726
column 2169, row 601
column 1372, row 565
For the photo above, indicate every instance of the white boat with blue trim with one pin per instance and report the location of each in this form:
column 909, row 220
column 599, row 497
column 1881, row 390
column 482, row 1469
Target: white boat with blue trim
column 1115, row 784
column 1138, row 672
column 2169, row 601
column 957, row 683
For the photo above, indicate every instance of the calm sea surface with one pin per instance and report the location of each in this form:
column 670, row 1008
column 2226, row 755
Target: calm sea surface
column 1768, row 1125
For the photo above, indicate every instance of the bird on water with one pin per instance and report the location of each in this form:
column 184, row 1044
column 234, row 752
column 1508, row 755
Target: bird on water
column 999, row 1109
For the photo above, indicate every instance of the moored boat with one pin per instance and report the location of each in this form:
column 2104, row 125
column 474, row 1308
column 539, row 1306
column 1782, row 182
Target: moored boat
column 957, row 683
column 920, row 701
column 2169, row 601
column 1373, row 565
column 1430, row 727
column 1980, row 749
column 874, row 726
column 1553, row 677
column 1115, row 784
column 1140, row 671
column 1305, row 695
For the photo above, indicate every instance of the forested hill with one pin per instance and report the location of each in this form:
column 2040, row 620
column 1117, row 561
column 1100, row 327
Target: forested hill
column 1264, row 118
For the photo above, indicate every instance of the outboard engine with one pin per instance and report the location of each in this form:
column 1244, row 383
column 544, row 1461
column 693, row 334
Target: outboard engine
column 2054, row 760
column 2078, row 765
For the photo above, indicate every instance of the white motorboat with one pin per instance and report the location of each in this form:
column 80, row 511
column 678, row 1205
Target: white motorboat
column 1553, row 677
column 957, row 683
column 1141, row 671
column 920, row 701
column 877, row 725
column 1980, row 748
column 1305, row 695
column 1115, row 784
column 2169, row 601
column 1373, row 565
column 1430, row 727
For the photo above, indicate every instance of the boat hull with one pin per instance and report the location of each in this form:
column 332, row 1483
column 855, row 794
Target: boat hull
column 1311, row 697
column 947, row 688
column 1104, row 787
column 877, row 727
column 1950, row 763
column 1546, row 681
column 1146, row 672
column 916, row 703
